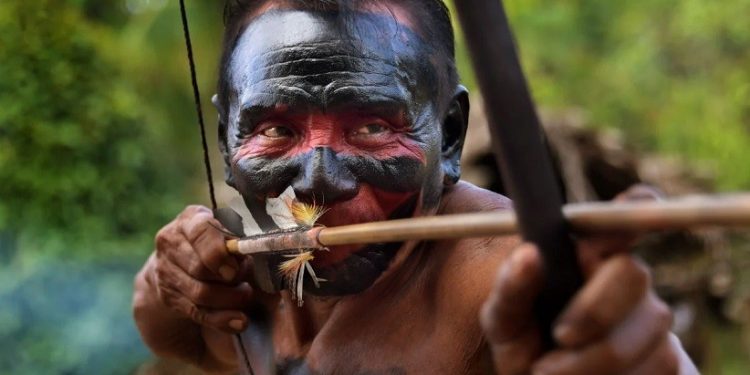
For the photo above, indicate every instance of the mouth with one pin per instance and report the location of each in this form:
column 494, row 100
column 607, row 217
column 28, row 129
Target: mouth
column 348, row 269
column 338, row 215
column 370, row 205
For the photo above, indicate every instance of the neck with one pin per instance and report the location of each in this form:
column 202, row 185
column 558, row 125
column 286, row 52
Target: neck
column 308, row 321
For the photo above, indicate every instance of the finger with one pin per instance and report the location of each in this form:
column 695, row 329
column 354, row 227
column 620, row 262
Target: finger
column 512, row 298
column 518, row 355
column 507, row 317
column 607, row 298
column 595, row 250
column 203, row 294
column 624, row 349
column 201, row 231
column 176, row 249
column 663, row 360
column 224, row 320
column 246, row 269
column 172, row 244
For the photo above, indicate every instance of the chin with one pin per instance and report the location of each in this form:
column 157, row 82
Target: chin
column 356, row 272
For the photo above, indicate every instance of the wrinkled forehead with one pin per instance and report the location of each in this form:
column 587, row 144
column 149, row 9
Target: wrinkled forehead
column 368, row 32
column 290, row 36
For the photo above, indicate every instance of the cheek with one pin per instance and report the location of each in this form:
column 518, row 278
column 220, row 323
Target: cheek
column 265, row 176
column 370, row 204
column 396, row 174
column 391, row 201
column 255, row 148
column 397, row 145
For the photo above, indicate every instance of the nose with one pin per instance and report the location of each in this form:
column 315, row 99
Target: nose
column 324, row 179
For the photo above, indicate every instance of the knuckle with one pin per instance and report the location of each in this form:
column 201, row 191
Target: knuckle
column 162, row 274
column 247, row 293
column 664, row 314
column 213, row 252
column 638, row 273
column 643, row 271
column 198, row 228
column 200, row 293
column 195, row 268
column 193, row 217
column 195, row 209
column 162, row 241
column 166, row 297
column 615, row 358
column 196, row 314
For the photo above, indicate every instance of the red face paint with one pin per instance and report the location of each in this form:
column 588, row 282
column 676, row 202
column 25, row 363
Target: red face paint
column 349, row 134
column 369, row 205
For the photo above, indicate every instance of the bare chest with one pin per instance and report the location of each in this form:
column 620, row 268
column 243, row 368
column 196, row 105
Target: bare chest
column 392, row 338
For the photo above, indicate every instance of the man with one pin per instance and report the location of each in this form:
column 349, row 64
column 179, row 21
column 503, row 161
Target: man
column 356, row 105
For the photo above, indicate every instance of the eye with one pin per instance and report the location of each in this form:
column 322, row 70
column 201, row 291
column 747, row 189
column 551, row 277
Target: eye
column 371, row 129
column 277, row 132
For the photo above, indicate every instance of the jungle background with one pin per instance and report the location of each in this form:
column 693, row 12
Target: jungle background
column 99, row 147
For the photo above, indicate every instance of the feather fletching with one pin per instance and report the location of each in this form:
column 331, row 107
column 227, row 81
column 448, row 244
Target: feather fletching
column 306, row 214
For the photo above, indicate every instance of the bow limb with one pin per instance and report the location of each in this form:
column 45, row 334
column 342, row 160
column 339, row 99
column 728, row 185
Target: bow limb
column 518, row 145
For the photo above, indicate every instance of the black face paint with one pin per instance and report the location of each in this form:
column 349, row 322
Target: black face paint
column 305, row 78
column 333, row 177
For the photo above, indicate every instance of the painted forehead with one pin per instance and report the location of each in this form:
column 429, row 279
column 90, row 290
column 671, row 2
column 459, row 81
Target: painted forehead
column 324, row 49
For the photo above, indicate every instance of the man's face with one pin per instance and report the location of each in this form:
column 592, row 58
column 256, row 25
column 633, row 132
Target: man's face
column 344, row 112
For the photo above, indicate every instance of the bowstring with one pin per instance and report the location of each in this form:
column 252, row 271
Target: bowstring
column 198, row 109
column 204, row 143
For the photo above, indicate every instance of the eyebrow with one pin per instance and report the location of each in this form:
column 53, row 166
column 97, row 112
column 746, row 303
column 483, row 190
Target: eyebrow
column 353, row 96
column 384, row 106
column 260, row 105
column 387, row 100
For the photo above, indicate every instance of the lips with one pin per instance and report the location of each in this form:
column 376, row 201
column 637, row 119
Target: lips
column 349, row 269
column 369, row 205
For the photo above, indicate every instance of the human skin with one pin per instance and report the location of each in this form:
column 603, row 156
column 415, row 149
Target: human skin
column 369, row 157
column 349, row 127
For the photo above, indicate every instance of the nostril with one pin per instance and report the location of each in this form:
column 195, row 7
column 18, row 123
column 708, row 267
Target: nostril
column 324, row 179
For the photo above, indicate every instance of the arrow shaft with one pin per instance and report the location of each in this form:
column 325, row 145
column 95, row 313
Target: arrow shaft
column 582, row 218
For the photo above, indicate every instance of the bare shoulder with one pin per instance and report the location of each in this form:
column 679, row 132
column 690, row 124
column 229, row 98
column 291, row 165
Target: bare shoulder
column 462, row 273
column 465, row 197
column 470, row 264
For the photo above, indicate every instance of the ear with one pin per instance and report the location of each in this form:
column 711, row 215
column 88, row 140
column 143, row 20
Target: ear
column 454, row 132
column 223, row 147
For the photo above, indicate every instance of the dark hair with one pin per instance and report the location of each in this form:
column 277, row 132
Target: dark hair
column 436, row 28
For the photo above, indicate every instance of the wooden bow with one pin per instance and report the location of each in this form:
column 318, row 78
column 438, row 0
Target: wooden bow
column 518, row 145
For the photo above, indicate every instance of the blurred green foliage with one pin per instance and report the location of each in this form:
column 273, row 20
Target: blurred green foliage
column 672, row 75
column 78, row 160
column 99, row 148
column 95, row 128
